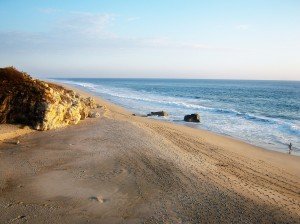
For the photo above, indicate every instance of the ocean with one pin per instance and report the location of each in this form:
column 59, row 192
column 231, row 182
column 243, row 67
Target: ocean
column 263, row 113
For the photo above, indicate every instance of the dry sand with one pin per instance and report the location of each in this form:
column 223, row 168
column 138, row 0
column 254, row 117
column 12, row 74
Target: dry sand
column 9, row 131
column 125, row 169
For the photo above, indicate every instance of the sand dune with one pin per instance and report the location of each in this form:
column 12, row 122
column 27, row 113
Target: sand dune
column 125, row 169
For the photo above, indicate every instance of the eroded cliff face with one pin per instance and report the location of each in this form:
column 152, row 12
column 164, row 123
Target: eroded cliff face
column 42, row 105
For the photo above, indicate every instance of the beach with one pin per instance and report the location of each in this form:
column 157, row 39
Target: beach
column 121, row 168
column 268, row 109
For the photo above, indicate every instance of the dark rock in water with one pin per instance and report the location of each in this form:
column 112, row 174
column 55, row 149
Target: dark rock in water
column 42, row 105
column 139, row 115
column 192, row 118
column 158, row 113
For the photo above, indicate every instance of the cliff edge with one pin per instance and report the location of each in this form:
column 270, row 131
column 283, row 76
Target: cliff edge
column 41, row 105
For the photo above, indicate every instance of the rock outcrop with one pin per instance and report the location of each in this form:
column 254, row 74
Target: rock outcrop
column 158, row 113
column 93, row 114
column 192, row 118
column 140, row 115
column 42, row 105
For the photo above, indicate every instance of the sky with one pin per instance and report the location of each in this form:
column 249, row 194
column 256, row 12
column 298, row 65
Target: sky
column 152, row 39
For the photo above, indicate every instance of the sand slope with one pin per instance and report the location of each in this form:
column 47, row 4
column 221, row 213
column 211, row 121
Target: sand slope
column 125, row 169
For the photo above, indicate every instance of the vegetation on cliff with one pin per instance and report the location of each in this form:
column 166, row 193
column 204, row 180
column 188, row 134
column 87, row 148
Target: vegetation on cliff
column 41, row 105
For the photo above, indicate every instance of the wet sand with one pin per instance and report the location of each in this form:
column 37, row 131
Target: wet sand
column 125, row 169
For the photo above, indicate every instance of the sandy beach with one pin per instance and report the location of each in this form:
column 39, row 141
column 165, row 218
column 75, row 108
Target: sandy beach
column 121, row 168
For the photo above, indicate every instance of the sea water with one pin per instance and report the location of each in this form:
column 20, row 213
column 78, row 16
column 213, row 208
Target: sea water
column 263, row 113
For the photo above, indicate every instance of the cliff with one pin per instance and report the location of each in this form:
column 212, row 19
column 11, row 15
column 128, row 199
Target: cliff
column 41, row 105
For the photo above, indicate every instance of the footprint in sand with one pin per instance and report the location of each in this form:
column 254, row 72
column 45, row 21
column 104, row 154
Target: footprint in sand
column 97, row 199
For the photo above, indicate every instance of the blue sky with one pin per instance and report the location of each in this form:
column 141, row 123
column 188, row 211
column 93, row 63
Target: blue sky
column 157, row 38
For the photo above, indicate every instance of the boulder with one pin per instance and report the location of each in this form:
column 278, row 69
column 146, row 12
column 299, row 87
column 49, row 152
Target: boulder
column 158, row 113
column 94, row 114
column 192, row 118
column 41, row 105
column 90, row 102
column 139, row 115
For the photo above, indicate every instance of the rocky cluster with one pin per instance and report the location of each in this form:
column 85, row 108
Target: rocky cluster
column 187, row 118
column 192, row 118
column 42, row 105
column 159, row 114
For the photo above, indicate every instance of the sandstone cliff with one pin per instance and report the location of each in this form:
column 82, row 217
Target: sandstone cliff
column 42, row 105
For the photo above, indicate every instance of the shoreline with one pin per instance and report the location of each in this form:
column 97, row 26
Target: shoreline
column 14, row 131
column 268, row 132
column 272, row 149
column 222, row 140
column 121, row 168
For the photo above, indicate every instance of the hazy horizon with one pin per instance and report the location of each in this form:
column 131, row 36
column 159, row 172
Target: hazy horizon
column 240, row 40
column 64, row 77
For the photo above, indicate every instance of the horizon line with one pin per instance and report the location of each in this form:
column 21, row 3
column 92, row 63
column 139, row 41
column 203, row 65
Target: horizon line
column 178, row 78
